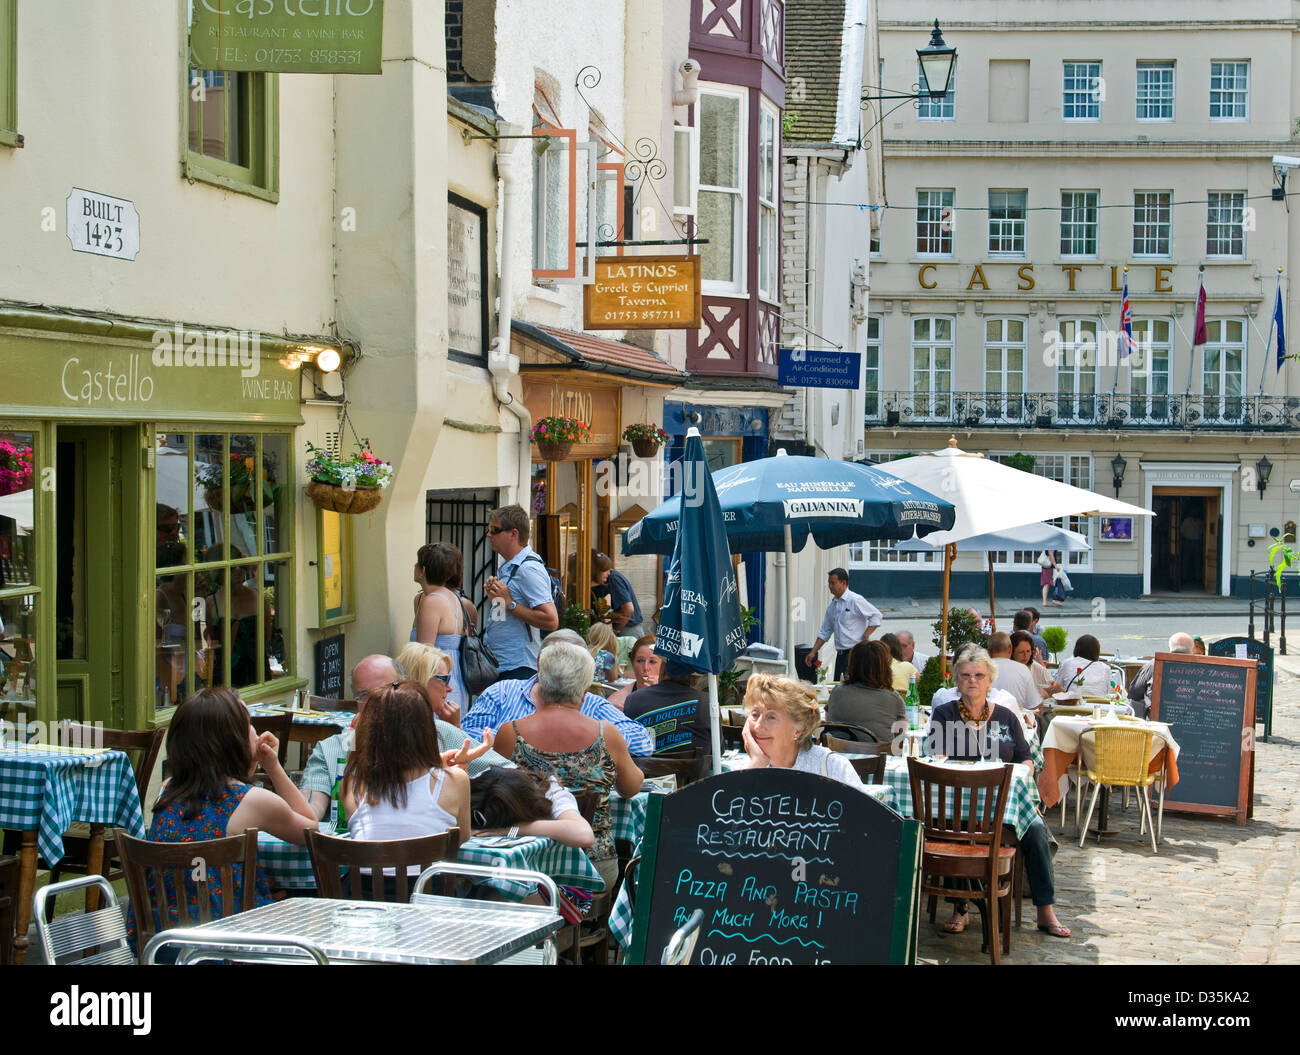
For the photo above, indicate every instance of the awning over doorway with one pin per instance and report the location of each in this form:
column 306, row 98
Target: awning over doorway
column 547, row 347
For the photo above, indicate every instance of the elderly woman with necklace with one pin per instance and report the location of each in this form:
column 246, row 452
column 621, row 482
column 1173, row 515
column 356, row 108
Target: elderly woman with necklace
column 970, row 728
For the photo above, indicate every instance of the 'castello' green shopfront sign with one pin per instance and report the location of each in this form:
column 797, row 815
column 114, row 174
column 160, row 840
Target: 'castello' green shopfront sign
column 288, row 36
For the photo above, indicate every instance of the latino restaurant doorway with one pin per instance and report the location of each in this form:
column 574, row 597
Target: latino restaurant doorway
column 1186, row 540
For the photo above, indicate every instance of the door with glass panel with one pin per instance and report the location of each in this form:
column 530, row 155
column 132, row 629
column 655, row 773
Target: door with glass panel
column 1004, row 367
column 1222, row 371
column 1076, row 372
column 932, row 352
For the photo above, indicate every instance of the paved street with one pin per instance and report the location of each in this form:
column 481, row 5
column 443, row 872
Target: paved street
column 1215, row 894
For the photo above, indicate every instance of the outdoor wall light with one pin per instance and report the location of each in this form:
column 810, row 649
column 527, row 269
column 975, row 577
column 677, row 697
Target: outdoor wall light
column 328, row 360
column 937, row 60
column 1263, row 470
column 1117, row 467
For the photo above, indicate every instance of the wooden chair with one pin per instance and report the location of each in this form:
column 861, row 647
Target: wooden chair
column 156, row 870
column 142, row 748
column 8, row 907
column 1121, row 759
column 962, row 813
column 279, row 724
column 732, row 737
column 870, row 768
column 571, row 940
column 856, row 747
column 686, row 768
column 855, row 733
column 329, row 854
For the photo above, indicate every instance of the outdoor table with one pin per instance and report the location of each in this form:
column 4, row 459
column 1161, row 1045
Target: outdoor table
column 309, row 727
column 431, row 930
column 43, row 790
column 1062, row 748
column 288, row 866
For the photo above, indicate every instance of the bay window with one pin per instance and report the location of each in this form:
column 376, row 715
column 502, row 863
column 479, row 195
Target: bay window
column 721, row 193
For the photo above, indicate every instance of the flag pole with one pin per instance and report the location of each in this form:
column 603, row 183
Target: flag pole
column 1272, row 325
column 1191, row 359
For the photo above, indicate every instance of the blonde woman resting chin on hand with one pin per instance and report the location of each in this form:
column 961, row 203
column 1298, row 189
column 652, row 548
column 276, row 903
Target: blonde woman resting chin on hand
column 781, row 717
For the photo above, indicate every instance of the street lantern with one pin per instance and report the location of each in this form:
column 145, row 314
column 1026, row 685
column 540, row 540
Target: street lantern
column 1263, row 470
column 937, row 60
column 1117, row 466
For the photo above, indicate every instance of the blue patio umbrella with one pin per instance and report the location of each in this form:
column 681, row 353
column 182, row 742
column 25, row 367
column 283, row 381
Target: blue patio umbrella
column 699, row 623
column 776, row 504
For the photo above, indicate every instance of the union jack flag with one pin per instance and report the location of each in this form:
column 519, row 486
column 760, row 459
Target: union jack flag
column 1127, row 345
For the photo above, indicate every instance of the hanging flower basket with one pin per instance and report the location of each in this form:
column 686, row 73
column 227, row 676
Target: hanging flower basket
column 343, row 499
column 555, row 436
column 354, row 484
column 645, row 439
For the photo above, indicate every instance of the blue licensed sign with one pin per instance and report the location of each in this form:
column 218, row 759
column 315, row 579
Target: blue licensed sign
column 819, row 368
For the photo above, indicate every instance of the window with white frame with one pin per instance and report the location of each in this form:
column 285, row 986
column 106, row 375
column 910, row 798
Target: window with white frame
column 1079, row 223
column 1149, row 370
column 1155, row 91
column 932, row 351
column 943, row 108
column 1005, row 351
column 1076, row 369
column 1073, row 469
column 882, row 553
column 1152, row 212
column 721, row 201
column 1222, row 373
column 1229, row 90
column 554, row 164
column 769, row 238
column 871, row 371
column 685, row 166
column 1007, row 222
column 1225, row 227
column 934, row 222
column 1081, row 91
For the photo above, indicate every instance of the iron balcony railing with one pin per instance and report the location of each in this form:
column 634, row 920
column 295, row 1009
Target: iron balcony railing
column 1028, row 410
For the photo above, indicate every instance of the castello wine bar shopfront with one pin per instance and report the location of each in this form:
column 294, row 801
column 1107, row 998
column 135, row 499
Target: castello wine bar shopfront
column 147, row 516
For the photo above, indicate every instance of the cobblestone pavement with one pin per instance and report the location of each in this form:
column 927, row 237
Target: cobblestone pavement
column 1215, row 894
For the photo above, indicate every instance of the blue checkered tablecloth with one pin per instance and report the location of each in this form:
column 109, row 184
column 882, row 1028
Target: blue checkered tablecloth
column 341, row 720
column 48, row 788
column 289, row 867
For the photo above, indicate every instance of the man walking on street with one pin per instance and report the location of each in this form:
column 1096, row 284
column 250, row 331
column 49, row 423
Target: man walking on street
column 850, row 618
column 522, row 606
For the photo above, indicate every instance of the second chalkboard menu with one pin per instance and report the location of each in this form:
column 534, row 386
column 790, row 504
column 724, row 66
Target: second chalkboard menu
column 789, row 868
column 1209, row 705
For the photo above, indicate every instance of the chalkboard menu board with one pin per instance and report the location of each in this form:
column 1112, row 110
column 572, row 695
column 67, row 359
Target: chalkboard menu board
column 789, row 868
column 1249, row 648
column 1209, row 703
column 329, row 666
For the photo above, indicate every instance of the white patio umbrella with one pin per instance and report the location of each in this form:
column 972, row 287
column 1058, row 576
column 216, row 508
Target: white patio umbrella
column 992, row 497
column 1027, row 536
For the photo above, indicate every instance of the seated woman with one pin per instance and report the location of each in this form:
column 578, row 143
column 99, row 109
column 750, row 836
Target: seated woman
column 778, row 732
column 212, row 750
column 580, row 752
column 867, row 698
column 395, row 785
column 971, row 728
column 645, row 666
column 603, row 646
column 1085, row 674
column 520, row 802
column 1022, row 651
column 430, row 666
column 901, row 671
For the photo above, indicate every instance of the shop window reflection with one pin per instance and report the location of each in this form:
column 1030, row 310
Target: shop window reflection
column 18, row 657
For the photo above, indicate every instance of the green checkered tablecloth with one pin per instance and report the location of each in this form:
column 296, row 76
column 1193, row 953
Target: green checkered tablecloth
column 50, row 789
column 289, row 867
column 1022, row 806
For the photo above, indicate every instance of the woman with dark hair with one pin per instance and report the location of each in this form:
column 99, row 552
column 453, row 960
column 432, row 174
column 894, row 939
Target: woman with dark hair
column 395, row 785
column 1023, row 651
column 1085, row 673
column 867, row 697
column 212, row 750
column 521, row 802
column 440, row 617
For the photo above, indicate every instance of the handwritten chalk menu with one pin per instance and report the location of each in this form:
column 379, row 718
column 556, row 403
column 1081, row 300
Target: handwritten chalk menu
column 1209, row 703
column 1248, row 648
column 328, row 653
column 789, row 868
column 672, row 725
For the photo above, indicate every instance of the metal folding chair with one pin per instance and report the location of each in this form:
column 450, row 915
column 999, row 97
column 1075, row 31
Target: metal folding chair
column 78, row 932
column 195, row 945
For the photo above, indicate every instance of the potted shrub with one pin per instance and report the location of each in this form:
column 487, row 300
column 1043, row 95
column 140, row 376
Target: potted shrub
column 931, row 680
column 237, row 478
column 1054, row 637
column 555, row 436
column 645, row 439
column 963, row 629
column 347, row 485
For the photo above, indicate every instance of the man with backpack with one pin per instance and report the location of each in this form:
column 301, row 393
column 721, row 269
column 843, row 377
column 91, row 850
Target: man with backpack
column 523, row 604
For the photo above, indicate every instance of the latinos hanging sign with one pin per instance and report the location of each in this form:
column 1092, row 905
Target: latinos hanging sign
column 288, row 36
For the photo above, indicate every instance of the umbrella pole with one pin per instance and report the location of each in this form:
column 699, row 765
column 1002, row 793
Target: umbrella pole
column 949, row 551
column 788, row 622
column 993, row 619
column 715, row 719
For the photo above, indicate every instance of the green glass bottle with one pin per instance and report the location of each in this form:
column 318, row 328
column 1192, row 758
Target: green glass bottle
column 338, row 816
column 913, row 705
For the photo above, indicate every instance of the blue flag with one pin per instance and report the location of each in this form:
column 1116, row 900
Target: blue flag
column 1281, row 329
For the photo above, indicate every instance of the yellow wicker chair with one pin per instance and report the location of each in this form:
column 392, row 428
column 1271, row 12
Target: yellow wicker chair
column 1121, row 759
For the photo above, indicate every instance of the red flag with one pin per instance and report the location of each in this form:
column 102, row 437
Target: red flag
column 1200, row 336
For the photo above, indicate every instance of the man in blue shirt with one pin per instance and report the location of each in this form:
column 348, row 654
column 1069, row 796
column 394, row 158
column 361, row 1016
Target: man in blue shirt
column 522, row 606
column 508, row 701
